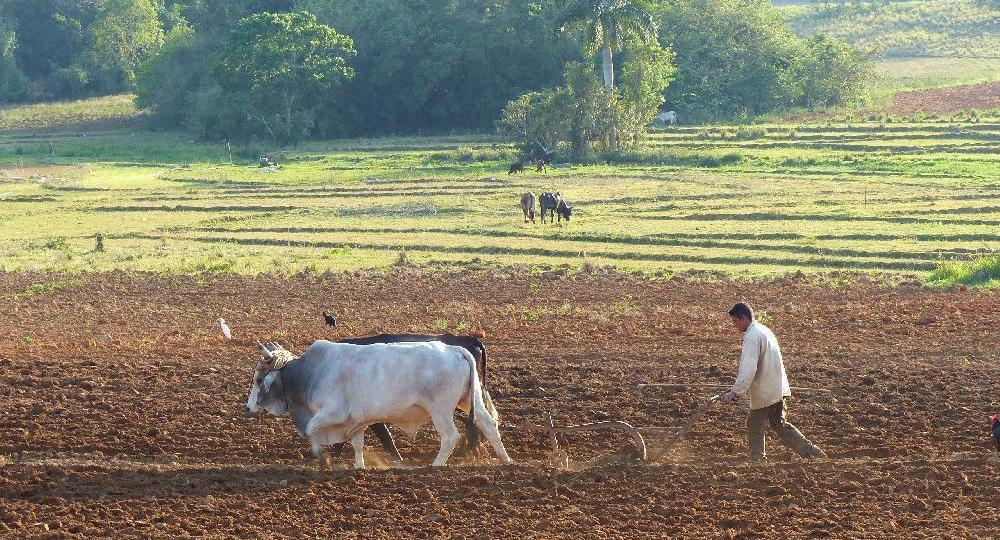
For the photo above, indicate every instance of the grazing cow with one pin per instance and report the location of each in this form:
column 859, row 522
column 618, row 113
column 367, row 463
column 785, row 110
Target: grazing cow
column 555, row 204
column 516, row 167
column 669, row 117
column 528, row 206
column 335, row 390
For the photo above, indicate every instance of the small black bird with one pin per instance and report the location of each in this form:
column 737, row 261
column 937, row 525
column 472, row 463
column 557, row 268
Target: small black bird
column 995, row 422
column 330, row 319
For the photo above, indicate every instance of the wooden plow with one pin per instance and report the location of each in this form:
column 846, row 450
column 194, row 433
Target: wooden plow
column 559, row 456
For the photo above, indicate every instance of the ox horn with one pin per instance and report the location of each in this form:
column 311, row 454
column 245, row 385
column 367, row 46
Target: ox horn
column 265, row 351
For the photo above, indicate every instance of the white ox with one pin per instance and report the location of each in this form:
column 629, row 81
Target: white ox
column 336, row 390
column 669, row 117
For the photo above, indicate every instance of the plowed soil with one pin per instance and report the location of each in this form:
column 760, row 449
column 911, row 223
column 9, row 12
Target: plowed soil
column 982, row 97
column 122, row 409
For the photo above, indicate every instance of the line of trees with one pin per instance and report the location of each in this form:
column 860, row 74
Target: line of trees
column 291, row 69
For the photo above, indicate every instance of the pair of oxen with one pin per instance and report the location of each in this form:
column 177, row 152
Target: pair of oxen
column 335, row 391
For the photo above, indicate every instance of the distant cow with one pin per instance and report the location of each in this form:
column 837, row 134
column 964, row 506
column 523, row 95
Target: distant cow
column 474, row 345
column 669, row 117
column 540, row 164
column 528, row 206
column 556, row 205
column 335, row 390
column 516, row 167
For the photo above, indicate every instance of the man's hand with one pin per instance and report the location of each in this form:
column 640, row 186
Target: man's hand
column 727, row 397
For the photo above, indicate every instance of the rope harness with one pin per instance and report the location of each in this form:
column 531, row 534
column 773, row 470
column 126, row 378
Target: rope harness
column 277, row 358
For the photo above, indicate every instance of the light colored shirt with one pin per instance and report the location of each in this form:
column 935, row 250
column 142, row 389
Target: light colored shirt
column 762, row 372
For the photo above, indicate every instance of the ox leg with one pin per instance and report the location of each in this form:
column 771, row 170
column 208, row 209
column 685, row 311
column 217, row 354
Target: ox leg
column 358, row 442
column 445, row 426
column 315, row 431
column 489, row 427
column 382, row 432
column 319, row 450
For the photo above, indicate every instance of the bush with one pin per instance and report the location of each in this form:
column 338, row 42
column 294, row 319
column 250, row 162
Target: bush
column 832, row 73
column 573, row 116
column 576, row 116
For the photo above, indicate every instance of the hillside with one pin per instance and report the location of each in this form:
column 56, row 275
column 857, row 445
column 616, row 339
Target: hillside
column 904, row 28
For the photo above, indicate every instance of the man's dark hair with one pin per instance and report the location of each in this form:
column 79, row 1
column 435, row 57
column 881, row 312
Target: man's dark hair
column 742, row 309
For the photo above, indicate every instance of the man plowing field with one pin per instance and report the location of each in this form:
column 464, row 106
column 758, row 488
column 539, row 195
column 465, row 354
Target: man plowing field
column 762, row 376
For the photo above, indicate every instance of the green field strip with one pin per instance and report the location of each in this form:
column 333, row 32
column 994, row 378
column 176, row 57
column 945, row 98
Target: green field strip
column 777, row 216
column 958, row 133
column 736, row 259
column 603, row 239
column 955, row 147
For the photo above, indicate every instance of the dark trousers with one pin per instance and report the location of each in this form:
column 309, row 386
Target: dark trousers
column 788, row 434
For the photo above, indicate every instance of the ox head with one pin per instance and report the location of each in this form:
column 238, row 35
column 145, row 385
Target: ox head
column 565, row 209
column 266, row 391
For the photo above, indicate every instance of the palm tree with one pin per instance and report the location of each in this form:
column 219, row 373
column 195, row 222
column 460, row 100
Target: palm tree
column 608, row 24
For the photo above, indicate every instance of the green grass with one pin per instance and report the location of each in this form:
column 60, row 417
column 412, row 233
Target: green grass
column 984, row 271
column 903, row 28
column 884, row 194
column 94, row 112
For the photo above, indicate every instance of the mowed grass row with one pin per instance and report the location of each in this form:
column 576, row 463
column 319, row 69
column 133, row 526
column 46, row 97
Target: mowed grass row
column 735, row 200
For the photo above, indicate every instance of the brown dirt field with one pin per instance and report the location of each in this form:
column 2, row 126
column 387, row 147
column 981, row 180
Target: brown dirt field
column 983, row 97
column 122, row 409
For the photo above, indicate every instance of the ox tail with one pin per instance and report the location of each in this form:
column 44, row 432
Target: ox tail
column 476, row 401
column 487, row 399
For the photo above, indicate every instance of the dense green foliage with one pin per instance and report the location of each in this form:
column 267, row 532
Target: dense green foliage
column 274, row 69
column 943, row 28
column 736, row 59
column 432, row 66
column 125, row 33
column 441, row 65
column 13, row 84
column 74, row 48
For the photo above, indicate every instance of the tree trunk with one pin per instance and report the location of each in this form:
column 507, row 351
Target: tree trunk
column 608, row 66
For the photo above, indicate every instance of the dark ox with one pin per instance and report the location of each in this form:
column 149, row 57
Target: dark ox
column 556, row 205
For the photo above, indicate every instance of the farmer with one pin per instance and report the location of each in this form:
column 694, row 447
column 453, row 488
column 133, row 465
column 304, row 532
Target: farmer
column 762, row 374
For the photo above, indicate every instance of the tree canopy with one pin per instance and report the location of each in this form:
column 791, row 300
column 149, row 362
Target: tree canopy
column 277, row 66
column 428, row 66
